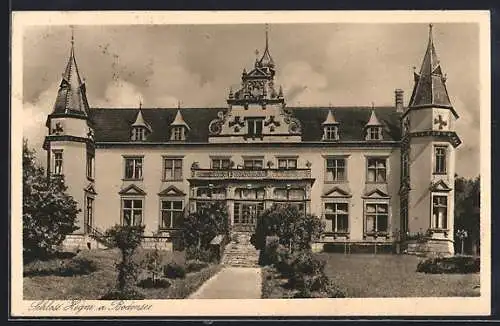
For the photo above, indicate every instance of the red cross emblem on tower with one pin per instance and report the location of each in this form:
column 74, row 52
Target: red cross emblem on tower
column 440, row 122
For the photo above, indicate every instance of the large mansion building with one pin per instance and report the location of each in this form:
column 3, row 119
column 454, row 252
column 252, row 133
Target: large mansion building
column 373, row 174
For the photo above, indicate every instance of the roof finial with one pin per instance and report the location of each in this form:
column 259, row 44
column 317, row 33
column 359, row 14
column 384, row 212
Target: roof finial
column 430, row 32
column 178, row 104
column 267, row 36
column 72, row 35
column 373, row 105
column 140, row 103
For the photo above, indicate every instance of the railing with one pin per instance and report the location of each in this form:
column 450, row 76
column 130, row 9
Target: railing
column 97, row 235
column 285, row 174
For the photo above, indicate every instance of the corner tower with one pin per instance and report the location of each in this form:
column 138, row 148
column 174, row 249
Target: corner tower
column 428, row 157
column 70, row 142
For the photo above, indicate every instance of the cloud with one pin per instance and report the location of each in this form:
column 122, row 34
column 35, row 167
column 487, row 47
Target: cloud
column 302, row 85
column 120, row 94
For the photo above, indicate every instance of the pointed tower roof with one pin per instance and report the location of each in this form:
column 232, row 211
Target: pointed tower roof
column 71, row 97
column 266, row 60
column 330, row 119
column 430, row 88
column 179, row 120
column 140, row 121
column 373, row 122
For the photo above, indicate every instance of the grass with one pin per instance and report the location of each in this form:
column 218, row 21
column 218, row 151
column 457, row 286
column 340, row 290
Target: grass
column 369, row 276
column 96, row 283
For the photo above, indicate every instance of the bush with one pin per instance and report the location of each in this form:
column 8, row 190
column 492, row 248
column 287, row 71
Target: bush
column 268, row 254
column 126, row 294
column 150, row 283
column 449, row 265
column 294, row 229
column 194, row 253
column 195, row 266
column 174, row 270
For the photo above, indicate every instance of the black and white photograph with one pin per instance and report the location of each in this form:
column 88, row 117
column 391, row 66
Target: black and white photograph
column 330, row 163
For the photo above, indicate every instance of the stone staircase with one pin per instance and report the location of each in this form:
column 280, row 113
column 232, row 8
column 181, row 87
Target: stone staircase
column 240, row 252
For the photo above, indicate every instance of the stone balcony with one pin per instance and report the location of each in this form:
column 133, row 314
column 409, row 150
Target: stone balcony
column 246, row 174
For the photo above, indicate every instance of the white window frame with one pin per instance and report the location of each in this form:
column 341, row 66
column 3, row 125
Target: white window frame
column 58, row 168
column 220, row 164
column 365, row 220
column 90, row 166
column 132, row 209
column 335, row 168
column 438, row 224
column 386, row 168
column 171, row 210
column 171, row 176
column 331, row 132
column 137, row 172
column 336, row 214
column 443, row 169
column 287, row 161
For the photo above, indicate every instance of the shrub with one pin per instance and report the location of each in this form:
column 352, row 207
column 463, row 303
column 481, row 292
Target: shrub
column 152, row 263
column 127, row 239
column 49, row 213
column 201, row 254
column 268, row 254
column 126, row 294
column 174, row 270
column 449, row 265
column 195, row 266
column 150, row 283
column 295, row 229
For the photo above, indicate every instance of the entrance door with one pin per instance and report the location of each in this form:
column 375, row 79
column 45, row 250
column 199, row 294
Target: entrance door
column 245, row 215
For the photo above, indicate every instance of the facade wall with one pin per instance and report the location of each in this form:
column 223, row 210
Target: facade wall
column 110, row 172
column 74, row 171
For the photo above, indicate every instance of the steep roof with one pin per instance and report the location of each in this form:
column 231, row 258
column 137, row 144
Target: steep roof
column 113, row 125
column 373, row 122
column 430, row 83
column 179, row 120
column 71, row 97
column 140, row 122
column 330, row 119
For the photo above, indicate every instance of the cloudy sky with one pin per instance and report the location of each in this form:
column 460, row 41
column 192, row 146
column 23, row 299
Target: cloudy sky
column 318, row 64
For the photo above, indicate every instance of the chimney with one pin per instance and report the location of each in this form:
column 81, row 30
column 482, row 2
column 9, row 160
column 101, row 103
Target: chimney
column 398, row 98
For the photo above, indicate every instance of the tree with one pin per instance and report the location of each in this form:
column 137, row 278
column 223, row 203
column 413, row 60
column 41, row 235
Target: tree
column 200, row 227
column 467, row 209
column 126, row 238
column 49, row 213
column 295, row 230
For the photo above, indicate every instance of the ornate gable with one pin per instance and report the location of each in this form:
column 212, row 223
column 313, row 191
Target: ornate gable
column 337, row 192
column 132, row 190
column 376, row 193
column 439, row 186
column 171, row 191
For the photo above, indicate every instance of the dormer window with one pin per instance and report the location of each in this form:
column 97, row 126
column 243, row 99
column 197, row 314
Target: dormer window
column 138, row 134
column 330, row 127
column 373, row 127
column 178, row 133
column 140, row 128
column 254, row 126
column 331, row 133
column 374, row 133
column 179, row 128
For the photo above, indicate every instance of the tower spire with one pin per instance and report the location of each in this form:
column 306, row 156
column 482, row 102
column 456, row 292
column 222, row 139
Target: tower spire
column 71, row 97
column 266, row 60
column 430, row 88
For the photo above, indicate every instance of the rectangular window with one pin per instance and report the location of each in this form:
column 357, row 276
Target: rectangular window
column 377, row 170
column 440, row 159
column 331, row 133
column 253, row 164
column 335, row 170
column 177, row 133
column 133, row 168
column 376, row 218
column 90, row 166
column 221, row 163
column 89, row 212
column 287, row 163
column 58, row 162
column 132, row 212
column 439, row 212
column 172, row 213
column 338, row 214
column 374, row 133
column 254, row 127
column 173, row 169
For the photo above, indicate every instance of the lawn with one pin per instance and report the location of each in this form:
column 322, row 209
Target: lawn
column 368, row 276
column 96, row 283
